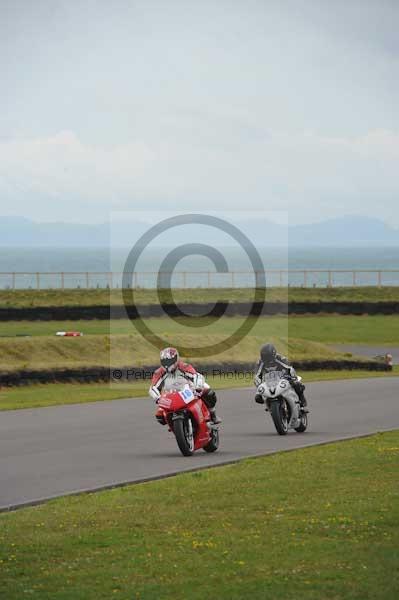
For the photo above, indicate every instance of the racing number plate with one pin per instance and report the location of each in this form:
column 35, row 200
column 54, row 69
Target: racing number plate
column 187, row 395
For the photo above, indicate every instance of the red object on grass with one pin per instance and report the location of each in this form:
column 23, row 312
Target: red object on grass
column 69, row 333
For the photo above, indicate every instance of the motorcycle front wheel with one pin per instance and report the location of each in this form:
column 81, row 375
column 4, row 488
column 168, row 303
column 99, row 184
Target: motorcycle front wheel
column 183, row 430
column 279, row 416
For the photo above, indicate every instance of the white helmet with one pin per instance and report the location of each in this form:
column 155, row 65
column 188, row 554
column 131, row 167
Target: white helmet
column 169, row 358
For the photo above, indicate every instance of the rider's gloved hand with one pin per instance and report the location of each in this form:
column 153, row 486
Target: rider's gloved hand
column 199, row 382
column 154, row 393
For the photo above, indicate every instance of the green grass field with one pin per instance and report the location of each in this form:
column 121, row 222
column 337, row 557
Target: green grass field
column 325, row 329
column 117, row 351
column 56, row 394
column 297, row 337
column 318, row 523
column 29, row 298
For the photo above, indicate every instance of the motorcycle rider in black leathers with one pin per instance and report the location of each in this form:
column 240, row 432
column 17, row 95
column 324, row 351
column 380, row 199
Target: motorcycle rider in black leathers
column 270, row 360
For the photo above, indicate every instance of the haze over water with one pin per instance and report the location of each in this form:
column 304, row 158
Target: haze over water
column 32, row 260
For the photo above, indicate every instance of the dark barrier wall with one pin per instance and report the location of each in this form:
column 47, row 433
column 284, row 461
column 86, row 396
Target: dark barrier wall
column 72, row 313
column 133, row 374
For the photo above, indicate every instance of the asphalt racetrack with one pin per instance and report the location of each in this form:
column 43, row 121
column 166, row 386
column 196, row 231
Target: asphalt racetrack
column 370, row 351
column 48, row 452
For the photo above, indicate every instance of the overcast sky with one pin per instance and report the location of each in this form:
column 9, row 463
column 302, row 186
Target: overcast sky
column 287, row 105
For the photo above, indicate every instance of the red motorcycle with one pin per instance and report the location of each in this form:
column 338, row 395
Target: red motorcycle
column 188, row 417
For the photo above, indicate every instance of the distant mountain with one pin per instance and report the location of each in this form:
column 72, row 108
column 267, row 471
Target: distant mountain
column 18, row 231
column 349, row 231
column 345, row 231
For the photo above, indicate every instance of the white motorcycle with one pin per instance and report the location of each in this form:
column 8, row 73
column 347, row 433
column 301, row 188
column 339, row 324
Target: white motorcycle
column 283, row 403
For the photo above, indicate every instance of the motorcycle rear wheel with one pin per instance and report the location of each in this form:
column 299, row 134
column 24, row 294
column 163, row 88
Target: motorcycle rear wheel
column 184, row 436
column 279, row 416
column 214, row 443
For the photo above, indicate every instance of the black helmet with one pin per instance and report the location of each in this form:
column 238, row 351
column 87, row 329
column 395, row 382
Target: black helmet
column 268, row 353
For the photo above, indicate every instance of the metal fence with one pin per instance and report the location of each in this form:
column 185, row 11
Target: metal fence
column 201, row 279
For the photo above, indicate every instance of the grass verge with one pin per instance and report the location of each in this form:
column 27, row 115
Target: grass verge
column 324, row 329
column 117, row 350
column 57, row 394
column 234, row 532
column 307, row 338
column 97, row 297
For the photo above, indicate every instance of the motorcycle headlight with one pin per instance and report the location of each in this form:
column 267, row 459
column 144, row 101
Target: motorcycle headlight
column 261, row 389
